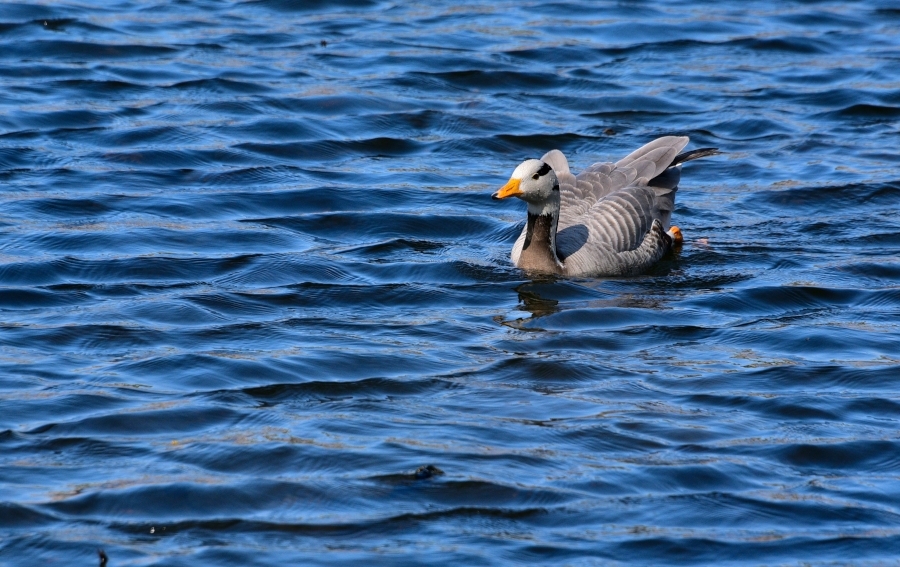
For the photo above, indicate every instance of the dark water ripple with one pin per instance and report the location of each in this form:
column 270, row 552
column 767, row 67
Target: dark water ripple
column 251, row 281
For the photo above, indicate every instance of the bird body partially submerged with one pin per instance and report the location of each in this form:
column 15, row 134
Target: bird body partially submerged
column 612, row 219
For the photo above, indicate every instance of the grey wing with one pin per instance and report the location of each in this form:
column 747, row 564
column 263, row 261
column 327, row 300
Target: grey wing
column 607, row 212
column 653, row 158
column 579, row 193
column 614, row 236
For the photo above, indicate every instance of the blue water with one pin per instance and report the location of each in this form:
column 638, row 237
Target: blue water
column 251, row 280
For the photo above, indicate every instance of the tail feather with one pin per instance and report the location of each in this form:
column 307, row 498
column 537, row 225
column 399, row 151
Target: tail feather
column 665, row 185
column 694, row 154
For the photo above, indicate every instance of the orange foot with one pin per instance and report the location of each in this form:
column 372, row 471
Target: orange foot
column 677, row 238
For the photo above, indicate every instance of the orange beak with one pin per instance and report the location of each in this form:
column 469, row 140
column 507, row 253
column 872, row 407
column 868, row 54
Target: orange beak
column 511, row 189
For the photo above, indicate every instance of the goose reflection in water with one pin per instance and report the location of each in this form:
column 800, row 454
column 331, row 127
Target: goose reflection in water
column 536, row 298
column 532, row 302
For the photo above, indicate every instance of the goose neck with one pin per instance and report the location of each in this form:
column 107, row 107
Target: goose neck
column 539, row 248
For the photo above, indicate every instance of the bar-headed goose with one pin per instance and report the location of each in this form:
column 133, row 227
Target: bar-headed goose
column 612, row 219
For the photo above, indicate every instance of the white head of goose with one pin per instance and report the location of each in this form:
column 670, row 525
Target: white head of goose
column 612, row 219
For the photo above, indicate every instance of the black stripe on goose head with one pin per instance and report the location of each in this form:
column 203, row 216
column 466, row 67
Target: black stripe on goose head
column 544, row 170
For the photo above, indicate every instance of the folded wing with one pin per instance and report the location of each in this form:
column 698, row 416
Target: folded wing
column 579, row 193
column 607, row 211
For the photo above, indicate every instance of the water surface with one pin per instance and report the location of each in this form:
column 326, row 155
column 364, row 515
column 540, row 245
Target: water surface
column 251, row 280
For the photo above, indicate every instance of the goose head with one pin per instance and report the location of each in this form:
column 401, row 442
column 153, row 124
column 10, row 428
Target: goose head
column 535, row 182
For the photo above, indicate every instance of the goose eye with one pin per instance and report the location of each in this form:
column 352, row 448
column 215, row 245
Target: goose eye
column 535, row 176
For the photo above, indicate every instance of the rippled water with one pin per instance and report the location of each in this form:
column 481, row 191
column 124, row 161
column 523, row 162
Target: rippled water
column 251, row 280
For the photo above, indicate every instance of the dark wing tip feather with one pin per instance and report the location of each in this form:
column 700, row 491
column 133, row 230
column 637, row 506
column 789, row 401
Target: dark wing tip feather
column 660, row 231
column 694, row 154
